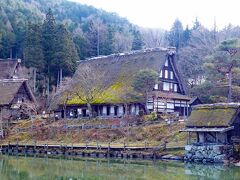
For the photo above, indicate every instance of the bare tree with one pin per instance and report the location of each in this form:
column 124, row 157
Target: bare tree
column 29, row 109
column 153, row 37
column 64, row 93
column 90, row 82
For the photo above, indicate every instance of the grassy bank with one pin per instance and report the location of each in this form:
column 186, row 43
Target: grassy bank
column 68, row 132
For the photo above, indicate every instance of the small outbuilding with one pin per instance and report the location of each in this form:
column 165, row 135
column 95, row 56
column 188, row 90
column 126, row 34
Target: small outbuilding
column 212, row 130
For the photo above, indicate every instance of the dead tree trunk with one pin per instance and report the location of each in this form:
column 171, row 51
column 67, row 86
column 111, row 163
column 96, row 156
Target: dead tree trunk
column 89, row 110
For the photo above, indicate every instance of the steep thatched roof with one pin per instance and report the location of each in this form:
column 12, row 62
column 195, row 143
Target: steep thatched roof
column 7, row 68
column 120, row 70
column 9, row 89
column 213, row 115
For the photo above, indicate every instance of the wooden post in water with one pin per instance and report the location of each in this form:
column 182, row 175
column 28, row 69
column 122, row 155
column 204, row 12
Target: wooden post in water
column 86, row 145
column 145, row 145
column 25, row 147
column 8, row 146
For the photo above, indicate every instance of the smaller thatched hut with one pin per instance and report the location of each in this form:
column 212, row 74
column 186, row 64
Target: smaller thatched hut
column 214, row 129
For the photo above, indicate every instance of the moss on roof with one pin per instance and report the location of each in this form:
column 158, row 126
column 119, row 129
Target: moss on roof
column 213, row 115
column 114, row 94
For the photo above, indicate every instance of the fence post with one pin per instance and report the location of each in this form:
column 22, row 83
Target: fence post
column 35, row 143
column 145, row 145
column 17, row 145
column 108, row 146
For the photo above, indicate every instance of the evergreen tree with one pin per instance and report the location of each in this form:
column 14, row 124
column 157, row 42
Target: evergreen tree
column 8, row 41
column 175, row 36
column 66, row 56
column 137, row 43
column 196, row 24
column 144, row 82
column 186, row 36
column 49, row 41
column 223, row 67
column 108, row 45
column 33, row 49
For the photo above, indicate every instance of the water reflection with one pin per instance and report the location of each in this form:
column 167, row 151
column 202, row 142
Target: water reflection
column 20, row 167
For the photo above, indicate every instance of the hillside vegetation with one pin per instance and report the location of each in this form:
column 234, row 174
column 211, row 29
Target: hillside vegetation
column 116, row 34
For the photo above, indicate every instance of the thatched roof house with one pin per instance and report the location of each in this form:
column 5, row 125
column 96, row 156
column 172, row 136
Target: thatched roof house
column 11, row 90
column 215, row 122
column 215, row 127
column 9, row 68
column 15, row 91
column 119, row 69
column 15, row 94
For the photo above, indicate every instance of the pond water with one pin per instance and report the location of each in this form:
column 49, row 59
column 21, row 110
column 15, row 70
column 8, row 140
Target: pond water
column 21, row 168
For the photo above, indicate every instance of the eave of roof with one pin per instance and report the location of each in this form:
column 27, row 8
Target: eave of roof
column 170, row 95
column 214, row 129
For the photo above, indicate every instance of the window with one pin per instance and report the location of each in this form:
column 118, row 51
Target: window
column 171, row 75
column 166, row 63
column 161, row 74
column 175, row 87
column 156, row 87
column 19, row 100
column 166, row 74
column 166, row 86
column 170, row 106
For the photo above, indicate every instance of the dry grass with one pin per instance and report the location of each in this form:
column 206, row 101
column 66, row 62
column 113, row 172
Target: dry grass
column 44, row 133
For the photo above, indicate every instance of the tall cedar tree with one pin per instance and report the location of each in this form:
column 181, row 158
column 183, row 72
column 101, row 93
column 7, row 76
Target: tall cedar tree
column 33, row 49
column 49, row 42
column 66, row 56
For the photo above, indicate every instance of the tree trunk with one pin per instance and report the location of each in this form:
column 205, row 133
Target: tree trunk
column 65, row 111
column 146, row 103
column 230, row 87
column 34, row 79
column 89, row 109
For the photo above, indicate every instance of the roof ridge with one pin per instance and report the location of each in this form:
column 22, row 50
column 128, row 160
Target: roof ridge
column 13, row 80
column 218, row 105
column 169, row 50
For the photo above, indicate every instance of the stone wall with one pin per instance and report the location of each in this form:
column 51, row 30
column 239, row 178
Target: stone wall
column 208, row 153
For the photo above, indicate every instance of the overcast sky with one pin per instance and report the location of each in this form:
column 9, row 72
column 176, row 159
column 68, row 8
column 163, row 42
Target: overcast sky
column 162, row 13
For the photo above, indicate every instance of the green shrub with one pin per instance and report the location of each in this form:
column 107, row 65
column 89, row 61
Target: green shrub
column 151, row 117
